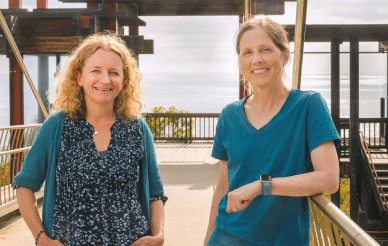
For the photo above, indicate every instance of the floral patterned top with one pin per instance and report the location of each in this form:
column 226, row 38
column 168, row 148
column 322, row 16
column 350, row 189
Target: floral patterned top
column 97, row 196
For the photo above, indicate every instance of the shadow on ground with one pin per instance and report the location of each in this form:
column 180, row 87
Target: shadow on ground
column 197, row 176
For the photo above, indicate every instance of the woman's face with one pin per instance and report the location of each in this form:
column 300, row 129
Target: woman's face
column 261, row 61
column 102, row 77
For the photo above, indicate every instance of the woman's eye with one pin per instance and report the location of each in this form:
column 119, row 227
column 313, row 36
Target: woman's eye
column 114, row 73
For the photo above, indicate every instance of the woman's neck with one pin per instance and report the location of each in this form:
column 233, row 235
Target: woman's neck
column 267, row 98
column 99, row 114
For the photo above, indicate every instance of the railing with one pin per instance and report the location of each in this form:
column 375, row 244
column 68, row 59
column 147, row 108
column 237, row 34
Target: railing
column 374, row 130
column 15, row 142
column 188, row 127
column 182, row 127
column 371, row 170
column 329, row 226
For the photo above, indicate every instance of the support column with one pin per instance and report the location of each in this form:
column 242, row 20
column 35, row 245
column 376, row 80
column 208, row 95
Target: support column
column 16, row 92
column 354, row 124
column 41, row 4
column 111, row 23
column 335, row 99
column 43, row 84
column 15, row 4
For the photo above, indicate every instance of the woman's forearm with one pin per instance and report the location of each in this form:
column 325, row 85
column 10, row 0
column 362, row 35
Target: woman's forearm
column 157, row 219
column 221, row 190
column 29, row 210
column 218, row 194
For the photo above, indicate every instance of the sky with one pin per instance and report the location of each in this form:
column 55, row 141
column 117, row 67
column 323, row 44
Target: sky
column 206, row 44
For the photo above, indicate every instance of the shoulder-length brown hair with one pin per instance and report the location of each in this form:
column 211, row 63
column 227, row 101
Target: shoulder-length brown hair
column 70, row 96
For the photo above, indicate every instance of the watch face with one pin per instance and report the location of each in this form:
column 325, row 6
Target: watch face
column 266, row 178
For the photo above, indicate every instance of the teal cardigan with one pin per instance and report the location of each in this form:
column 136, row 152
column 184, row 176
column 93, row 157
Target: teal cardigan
column 40, row 165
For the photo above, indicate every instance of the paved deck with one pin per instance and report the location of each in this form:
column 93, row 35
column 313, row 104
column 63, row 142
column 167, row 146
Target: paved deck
column 189, row 175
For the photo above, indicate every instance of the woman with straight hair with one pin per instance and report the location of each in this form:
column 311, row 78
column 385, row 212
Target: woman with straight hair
column 276, row 147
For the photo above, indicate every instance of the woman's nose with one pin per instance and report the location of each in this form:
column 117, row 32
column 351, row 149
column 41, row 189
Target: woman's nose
column 105, row 77
column 258, row 58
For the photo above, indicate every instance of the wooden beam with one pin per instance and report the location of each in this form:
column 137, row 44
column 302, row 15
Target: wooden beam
column 64, row 45
column 148, row 47
column 325, row 33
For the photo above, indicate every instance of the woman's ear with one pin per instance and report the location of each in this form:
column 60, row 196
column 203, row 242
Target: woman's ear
column 79, row 79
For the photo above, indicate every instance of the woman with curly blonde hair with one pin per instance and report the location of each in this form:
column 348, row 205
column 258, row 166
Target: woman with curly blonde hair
column 95, row 155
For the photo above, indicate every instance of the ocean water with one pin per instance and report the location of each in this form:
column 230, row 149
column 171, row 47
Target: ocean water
column 210, row 92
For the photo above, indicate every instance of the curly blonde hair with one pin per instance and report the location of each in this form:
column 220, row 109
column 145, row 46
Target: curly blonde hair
column 70, row 96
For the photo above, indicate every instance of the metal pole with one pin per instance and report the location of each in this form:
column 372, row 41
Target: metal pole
column 19, row 58
column 43, row 82
column 300, row 30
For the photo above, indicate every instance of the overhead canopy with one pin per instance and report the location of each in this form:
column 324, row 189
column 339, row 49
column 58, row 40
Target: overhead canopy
column 190, row 7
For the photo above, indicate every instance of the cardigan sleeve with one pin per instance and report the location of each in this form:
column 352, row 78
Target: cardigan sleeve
column 154, row 179
column 33, row 172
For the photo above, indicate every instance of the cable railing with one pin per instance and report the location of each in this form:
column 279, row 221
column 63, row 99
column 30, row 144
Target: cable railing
column 329, row 226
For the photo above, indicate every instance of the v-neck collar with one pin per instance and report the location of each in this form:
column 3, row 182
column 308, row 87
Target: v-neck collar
column 253, row 129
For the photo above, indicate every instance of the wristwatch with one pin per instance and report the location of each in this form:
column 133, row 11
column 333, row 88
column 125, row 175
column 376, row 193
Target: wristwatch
column 266, row 181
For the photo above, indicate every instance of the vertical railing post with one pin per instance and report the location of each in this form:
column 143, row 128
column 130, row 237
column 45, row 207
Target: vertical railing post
column 382, row 123
column 354, row 125
column 335, row 98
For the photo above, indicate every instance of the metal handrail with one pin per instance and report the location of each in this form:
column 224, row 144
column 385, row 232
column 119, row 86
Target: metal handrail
column 330, row 226
column 366, row 150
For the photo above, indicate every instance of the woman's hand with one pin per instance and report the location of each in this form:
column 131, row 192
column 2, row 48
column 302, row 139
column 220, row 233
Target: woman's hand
column 149, row 241
column 240, row 198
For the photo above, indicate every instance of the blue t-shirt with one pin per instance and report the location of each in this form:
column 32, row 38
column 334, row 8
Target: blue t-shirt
column 281, row 148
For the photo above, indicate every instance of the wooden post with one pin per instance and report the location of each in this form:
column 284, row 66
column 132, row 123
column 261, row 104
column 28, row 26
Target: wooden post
column 16, row 92
column 111, row 23
column 354, row 124
column 243, row 84
column 300, row 30
column 247, row 7
column 335, row 99
column 41, row 4
column 15, row 81
column 15, row 4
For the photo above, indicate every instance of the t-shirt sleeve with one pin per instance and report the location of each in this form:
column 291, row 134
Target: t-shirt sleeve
column 320, row 126
column 219, row 151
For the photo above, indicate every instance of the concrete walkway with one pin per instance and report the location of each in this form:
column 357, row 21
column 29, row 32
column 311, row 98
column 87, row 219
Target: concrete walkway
column 189, row 175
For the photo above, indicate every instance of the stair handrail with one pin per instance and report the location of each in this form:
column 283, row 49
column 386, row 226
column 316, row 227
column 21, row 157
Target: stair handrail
column 365, row 148
column 348, row 228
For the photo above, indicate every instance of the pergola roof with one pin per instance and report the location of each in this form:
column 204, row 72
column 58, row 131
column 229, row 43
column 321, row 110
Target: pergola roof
column 186, row 7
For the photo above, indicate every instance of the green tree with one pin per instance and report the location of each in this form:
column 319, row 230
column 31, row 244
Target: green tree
column 179, row 128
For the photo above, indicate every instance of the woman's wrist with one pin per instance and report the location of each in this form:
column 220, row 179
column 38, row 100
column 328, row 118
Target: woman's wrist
column 39, row 235
column 43, row 239
column 159, row 237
